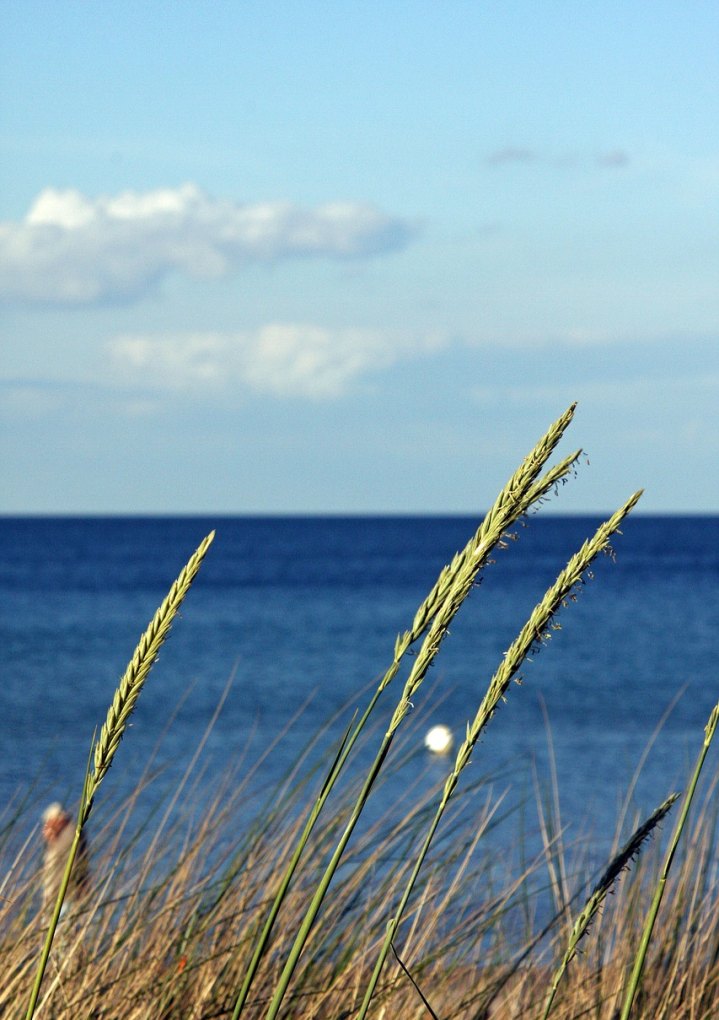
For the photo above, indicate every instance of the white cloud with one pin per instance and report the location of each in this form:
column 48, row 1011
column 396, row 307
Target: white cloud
column 72, row 249
column 280, row 359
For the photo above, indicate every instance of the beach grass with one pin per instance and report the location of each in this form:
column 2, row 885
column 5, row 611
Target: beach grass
column 221, row 904
column 176, row 944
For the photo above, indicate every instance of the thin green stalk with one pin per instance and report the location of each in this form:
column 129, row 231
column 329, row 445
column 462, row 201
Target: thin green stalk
column 54, row 920
column 599, row 894
column 638, row 967
column 104, row 748
column 327, row 877
column 288, row 874
column 433, row 619
column 533, row 631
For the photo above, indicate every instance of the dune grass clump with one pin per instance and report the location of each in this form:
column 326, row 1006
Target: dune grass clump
column 305, row 912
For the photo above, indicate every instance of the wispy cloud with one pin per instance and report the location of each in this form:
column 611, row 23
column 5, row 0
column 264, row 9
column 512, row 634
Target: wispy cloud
column 640, row 408
column 613, row 158
column 28, row 398
column 511, row 154
column 280, row 359
column 517, row 154
column 72, row 249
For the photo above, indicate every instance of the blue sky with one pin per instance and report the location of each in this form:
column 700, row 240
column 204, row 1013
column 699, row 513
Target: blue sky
column 311, row 257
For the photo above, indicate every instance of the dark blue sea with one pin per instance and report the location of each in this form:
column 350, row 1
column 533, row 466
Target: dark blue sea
column 303, row 613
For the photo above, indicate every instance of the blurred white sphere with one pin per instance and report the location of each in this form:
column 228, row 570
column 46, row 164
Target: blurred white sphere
column 439, row 740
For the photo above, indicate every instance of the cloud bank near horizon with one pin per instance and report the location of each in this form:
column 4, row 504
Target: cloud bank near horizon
column 278, row 359
column 74, row 250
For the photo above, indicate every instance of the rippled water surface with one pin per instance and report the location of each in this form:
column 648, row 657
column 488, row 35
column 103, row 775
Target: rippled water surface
column 304, row 611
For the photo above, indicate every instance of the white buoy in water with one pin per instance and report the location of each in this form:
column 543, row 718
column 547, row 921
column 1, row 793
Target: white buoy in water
column 439, row 740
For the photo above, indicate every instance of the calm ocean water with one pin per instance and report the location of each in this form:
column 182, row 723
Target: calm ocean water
column 305, row 611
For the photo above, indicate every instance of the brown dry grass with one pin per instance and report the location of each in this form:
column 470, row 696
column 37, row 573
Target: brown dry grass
column 171, row 922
